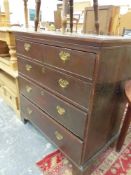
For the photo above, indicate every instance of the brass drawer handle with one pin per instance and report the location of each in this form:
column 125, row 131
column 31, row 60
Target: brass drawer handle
column 28, row 67
column 43, row 70
column 28, row 89
column 29, row 111
column 27, row 47
column 58, row 135
column 63, row 83
column 42, row 93
column 61, row 111
column 64, row 56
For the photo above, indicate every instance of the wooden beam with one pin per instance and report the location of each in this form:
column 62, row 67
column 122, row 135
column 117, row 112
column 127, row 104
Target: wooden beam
column 7, row 12
column 96, row 15
column 64, row 15
column 26, row 13
column 38, row 4
column 71, row 15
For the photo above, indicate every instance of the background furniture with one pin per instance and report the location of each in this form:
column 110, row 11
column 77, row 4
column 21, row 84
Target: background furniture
column 124, row 22
column 9, row 90
column 26, row 13
column 7, row 35
column 126, row 32
column 38, row 4
column 78, row 11
column 9, row 71
column 57, row 19
column 71, row 7
column 3, row 19
column 4, row 50
column 127, row 119
column 5, row 16
column 108, row 19
column 70, row 4
column 67, row 7
column 70, row 88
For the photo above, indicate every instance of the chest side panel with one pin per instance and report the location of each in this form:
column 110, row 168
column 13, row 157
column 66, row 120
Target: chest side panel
column 108, row 102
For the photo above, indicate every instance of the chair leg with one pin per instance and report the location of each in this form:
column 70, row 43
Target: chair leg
column 124, row 129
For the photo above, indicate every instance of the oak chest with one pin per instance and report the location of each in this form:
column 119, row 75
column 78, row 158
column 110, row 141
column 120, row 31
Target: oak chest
column 71, row 89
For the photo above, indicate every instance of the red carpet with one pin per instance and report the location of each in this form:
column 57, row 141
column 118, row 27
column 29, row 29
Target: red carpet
column 109, row 163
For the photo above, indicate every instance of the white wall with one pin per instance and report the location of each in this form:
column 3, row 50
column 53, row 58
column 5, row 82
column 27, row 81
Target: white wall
column 48, row 7
column 17, row 9
column 109, row 2
column 115, row 2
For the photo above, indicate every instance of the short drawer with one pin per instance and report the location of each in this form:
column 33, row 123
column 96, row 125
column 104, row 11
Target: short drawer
column 9, row 97
column 66, row 141
column 32, row 50
column 8, row 81
column 64, row 113
column 73, row 89
column 77, row 62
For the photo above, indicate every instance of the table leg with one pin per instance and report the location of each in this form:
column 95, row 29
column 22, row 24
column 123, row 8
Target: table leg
column 124, row 129
column 38, row 4
column 26, row 13
column 71, row 15
column 96, row 16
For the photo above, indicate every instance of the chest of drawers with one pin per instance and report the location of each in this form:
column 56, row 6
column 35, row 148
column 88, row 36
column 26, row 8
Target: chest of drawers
column 71, row 90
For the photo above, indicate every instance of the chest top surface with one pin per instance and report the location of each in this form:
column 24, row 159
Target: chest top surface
column 77, row 39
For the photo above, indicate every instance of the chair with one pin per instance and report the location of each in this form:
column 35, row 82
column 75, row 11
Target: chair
column 127, row 119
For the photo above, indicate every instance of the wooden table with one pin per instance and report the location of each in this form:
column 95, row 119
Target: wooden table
column 9, row 90
column 7, row 35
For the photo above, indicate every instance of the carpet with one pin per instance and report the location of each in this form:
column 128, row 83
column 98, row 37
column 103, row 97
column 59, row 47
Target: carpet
column 21, row 146
column 109, row 163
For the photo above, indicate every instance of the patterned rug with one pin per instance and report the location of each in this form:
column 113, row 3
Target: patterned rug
column 109, row 163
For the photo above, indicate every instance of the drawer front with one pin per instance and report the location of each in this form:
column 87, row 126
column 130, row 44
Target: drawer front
column 9, row 96
column 62, row 112
column 32, row 50
column 66, row 141
column 72, row 89
column 77, row 62
column 8, row 81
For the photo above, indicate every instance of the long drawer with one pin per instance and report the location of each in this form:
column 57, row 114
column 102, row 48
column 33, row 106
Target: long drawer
column 61, row 111
column 72, row 89
column 77, row 62
column 74, row 61
column 66, row 141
